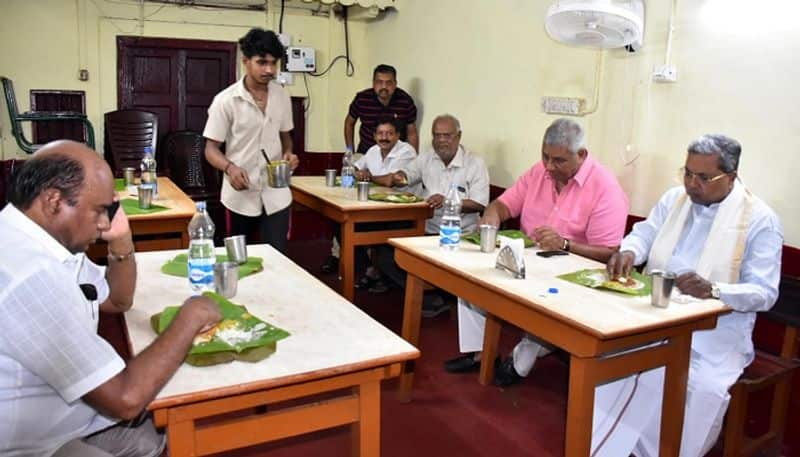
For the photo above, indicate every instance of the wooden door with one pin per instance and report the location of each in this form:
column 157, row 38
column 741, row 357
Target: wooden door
column 175, row 79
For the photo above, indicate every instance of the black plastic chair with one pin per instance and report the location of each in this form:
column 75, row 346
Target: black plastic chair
column 128, row 132
column 18, row 118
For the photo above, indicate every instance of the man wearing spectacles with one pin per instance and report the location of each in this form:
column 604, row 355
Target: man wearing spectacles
column 724, row 243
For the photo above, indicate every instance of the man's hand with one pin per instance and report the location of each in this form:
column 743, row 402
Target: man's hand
column 120, row 227
column 399, row 179
column 490, row 218
column 548, row 239
column 363, row 175
column 238, row 177
column 293, row 160
column 199, row 312
column 693, row 284
column 620, row 264
column 435, row 201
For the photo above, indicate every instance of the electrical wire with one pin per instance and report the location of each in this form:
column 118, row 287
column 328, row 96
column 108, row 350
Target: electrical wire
column 280, row 22
column 308, row 94
column 349, row 67
column 619, row 417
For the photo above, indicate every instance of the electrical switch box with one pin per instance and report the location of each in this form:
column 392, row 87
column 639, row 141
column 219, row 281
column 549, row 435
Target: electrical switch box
column 300, row 59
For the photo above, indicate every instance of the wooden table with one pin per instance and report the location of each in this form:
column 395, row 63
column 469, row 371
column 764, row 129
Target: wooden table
column 333, row 346
column 341, row 205
column 158, row 231
column 592, row 325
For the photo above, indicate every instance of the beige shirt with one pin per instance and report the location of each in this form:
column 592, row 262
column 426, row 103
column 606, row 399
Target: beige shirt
column 235, row 119
column 467, row 171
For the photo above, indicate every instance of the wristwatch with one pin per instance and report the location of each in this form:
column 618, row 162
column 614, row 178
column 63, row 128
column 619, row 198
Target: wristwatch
column 714, row 291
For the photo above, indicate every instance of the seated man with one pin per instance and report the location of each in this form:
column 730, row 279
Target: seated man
column 62, row 387
column 724, row 243
column 449, row 163
column 388, row 155
column 569, row 202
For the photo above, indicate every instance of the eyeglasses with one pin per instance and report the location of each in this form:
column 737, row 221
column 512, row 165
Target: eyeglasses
column 704, row 180
column 446, row 135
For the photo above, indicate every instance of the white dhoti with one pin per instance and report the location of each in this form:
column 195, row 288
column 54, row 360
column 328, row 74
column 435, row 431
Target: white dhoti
column 639, row 428
column 471, row 325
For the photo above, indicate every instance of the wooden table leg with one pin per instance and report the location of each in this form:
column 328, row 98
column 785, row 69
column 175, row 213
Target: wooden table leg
column 180, row 438
column 676, row 374
column 347, row 260
column 412, row 310
column 367, row 431
column 580, row 406
column 491, row 336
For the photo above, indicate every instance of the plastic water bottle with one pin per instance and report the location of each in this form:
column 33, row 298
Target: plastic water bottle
column 450, row 227
column 201, row 256
column 148, row 169
column 348, row 170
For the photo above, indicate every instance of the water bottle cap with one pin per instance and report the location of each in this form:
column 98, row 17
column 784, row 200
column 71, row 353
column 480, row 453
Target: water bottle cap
column 552, row 290
column 148, row 149
column 201, row 205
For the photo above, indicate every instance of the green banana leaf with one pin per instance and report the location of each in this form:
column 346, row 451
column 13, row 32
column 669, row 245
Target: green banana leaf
column 598, row 278
column 338, row 182
column 179, row 266
column 119, row 184
column 217, row 350
column 399, row 197
column 131, row 207
column 475, row 237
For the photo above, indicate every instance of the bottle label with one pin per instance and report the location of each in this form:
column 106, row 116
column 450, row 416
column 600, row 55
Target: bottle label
column 348, row 180
column 449, row 235
column 201, row 271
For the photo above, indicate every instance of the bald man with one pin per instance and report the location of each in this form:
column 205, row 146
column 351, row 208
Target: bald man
column 62, row 387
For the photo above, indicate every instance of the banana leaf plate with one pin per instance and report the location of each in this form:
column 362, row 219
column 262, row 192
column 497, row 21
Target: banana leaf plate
column 475, row 237
column 637, row 284
column 179, row 266
column 399, row 197
column 238, row 336
column 131, row 207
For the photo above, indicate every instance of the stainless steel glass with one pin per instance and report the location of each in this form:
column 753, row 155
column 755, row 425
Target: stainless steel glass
column 236, row 246
column 662, row 282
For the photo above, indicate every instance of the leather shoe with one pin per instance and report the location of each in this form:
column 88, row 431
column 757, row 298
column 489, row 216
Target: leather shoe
column 505, row 374
column 330, row 265
column 462, row 364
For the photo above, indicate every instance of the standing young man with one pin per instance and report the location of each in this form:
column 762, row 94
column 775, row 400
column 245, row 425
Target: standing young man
column 252, row 116
column 384, row 100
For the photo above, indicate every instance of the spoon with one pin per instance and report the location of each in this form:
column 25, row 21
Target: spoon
column 264, row 153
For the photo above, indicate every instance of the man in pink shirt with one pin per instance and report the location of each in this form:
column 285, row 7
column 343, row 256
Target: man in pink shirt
column 568, row 202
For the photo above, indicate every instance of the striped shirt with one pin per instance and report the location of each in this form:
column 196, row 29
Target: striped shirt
column 370, row 110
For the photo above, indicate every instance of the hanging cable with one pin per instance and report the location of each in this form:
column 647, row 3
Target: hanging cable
column 280, row 21
column 349, row 68
column 308, row 94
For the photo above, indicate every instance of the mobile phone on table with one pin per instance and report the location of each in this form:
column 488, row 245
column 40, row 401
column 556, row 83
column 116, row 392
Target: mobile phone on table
column 547, row 254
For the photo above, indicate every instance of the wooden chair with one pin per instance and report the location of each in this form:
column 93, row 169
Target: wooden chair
column 127, row 133
column 767, row 371
column 18, row 118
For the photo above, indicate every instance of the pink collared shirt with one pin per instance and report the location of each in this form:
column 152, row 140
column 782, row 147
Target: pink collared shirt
column 591, row 208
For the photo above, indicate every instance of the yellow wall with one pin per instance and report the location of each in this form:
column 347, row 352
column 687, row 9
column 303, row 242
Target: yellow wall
column 489, row 63
column 43, row 43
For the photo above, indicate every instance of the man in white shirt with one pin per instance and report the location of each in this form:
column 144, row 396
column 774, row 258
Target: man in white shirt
column 448, row 163
column 253, row 117
column 62, row 387
column 388, row 155
column 722, row 242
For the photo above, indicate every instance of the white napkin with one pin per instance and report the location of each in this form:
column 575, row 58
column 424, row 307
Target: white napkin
column 517, row 247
